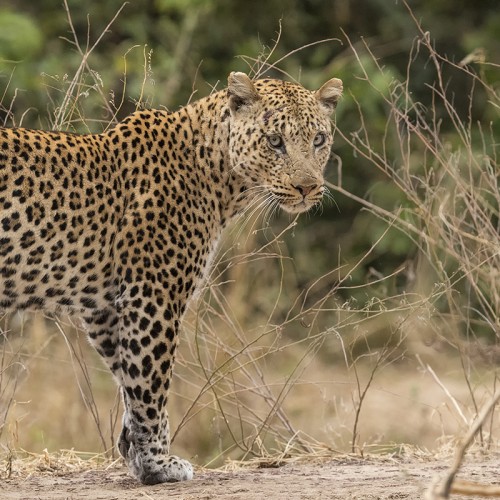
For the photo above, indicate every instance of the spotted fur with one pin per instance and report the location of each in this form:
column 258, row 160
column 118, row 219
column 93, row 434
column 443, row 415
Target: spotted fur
column 118, row 228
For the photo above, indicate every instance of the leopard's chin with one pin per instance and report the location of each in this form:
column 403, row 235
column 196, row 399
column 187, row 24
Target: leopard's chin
column 298, row 207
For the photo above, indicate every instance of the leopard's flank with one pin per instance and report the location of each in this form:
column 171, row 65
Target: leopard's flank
column 118, row 228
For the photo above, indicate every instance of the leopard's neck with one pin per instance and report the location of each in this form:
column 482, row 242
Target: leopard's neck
column 196, row 137
column 210, row 125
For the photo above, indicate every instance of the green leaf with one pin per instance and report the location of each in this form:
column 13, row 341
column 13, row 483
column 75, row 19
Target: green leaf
column 20, row 38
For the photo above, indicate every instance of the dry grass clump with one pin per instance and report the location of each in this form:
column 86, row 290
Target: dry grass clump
column 23, row 464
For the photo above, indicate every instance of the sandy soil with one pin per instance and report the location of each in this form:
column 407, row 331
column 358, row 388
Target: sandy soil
column 367, row 479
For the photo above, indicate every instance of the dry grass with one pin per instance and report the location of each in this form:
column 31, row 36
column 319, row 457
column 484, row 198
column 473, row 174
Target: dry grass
column 24, row 464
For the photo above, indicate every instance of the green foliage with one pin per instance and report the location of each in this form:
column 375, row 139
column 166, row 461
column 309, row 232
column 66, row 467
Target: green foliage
column 20, row 37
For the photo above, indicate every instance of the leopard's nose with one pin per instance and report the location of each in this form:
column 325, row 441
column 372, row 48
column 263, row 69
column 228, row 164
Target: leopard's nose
column 305, row 189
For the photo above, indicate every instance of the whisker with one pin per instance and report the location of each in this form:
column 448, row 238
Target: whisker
column 273, row 208
column 260, row 200
column 330, row 198
column 260, row 208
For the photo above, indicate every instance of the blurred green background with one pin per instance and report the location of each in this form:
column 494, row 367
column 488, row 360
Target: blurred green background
column 165, row 52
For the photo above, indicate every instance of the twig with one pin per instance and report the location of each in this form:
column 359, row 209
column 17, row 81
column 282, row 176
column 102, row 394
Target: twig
column 445, row 390
column 441, row 489
column 60, row 113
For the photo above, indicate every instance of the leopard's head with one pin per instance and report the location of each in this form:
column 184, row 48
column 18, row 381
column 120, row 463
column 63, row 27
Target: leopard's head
column 280, row 139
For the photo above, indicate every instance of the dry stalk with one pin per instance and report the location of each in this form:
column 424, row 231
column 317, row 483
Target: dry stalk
column 85, row 386
column 68, row 104
column 442, row 488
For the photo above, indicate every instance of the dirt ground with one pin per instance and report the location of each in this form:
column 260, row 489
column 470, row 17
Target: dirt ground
column 368, row 479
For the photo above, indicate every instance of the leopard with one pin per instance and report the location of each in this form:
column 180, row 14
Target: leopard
column 118, row 228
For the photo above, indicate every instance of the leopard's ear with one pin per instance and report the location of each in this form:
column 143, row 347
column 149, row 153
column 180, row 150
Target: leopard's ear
column 241, row 91
column 329, row 94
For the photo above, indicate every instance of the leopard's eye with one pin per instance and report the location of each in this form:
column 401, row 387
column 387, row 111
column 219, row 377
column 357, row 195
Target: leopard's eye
column 276, row 141
column 319, row 139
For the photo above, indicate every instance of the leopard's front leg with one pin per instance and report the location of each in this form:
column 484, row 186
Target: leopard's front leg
column 156, row 276
column 148, row 339
column 138, row 345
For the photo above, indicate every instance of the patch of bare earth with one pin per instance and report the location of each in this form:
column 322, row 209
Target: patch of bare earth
column 349, row 478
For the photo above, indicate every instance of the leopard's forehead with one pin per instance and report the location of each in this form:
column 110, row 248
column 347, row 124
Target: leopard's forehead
column 279, row 91
column 282, row 101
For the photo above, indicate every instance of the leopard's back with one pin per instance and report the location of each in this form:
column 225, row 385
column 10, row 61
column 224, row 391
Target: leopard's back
column 58, row 210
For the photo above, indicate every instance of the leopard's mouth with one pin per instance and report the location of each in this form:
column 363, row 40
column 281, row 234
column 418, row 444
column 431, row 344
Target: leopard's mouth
column 295, row 203
column 297, row 207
